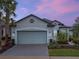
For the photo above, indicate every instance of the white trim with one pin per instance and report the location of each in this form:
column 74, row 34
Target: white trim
column 31, row 29
column 15, row 36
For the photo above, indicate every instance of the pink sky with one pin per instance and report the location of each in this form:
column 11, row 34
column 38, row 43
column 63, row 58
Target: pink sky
column 63, row 10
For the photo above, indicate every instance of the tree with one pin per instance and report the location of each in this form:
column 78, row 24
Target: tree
column 62, row 37
column 76, row 28
column 7, row 7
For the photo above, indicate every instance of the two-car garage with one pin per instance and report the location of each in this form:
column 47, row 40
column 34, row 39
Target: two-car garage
column 31, row 37
column 31, row 30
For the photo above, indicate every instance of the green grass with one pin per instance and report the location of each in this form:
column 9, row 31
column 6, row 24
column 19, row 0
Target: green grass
column 63, row 52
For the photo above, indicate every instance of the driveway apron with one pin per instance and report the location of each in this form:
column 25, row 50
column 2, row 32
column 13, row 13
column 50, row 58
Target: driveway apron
column 27, row 50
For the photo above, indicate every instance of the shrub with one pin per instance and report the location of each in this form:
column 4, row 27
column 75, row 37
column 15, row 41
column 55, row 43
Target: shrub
column 62, row 42
column 52, row 46
column 62, row 38
column 76, row 41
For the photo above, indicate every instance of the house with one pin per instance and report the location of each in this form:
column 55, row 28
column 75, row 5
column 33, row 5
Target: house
column 2, row 27
column 34, row 30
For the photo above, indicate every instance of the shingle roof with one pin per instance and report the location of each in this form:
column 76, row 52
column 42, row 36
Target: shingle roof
column 57, row 22
column 50, row 22
column 47, row 21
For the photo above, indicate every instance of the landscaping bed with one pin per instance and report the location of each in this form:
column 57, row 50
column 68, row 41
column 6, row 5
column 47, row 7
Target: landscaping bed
column 9, row 44
column 59, row 46
column 60, row 49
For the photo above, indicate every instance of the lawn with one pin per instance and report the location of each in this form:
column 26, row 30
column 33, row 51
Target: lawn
column 63, row 52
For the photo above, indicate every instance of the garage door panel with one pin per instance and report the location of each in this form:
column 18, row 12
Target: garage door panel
column 35, row 37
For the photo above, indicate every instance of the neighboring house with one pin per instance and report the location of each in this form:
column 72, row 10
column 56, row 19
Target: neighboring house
column 34, row 30
column 2, row 27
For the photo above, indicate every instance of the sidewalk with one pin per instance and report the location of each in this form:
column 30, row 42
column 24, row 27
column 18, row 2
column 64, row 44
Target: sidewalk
column 35, row 57
column 63, row 57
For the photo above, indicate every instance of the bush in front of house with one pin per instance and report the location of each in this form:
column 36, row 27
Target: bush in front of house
column 52, row 46
column 62, row 38
column 76, row 40
column 55, row 45
column 62, row 42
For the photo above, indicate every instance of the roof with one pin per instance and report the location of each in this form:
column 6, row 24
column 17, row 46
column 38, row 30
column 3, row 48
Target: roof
column 65, row 27
column 47, row 21
column 57, row 22
column 50, row 22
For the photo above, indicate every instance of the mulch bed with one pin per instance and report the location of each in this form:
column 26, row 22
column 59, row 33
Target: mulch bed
column 7, row 46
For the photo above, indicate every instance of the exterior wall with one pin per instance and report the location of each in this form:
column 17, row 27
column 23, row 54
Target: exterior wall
column 13, row 33
column 71, row 33
column 66, row 30
column 54, row 31
column 63, row 30
column 25, row 25
column 50, row 34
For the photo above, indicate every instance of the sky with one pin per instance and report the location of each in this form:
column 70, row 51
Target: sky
column 65, row 11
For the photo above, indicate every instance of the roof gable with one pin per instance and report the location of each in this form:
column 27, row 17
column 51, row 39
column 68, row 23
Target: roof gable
column 49, row 22
column 35, row 17
column 59, row 23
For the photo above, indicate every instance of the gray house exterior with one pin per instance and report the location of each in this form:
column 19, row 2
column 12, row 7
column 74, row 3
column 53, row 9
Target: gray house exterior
column 34, row 30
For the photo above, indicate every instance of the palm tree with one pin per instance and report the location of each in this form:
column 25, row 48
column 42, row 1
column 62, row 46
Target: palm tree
column 8, row 7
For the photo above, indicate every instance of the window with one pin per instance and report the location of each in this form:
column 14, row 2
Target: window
column 31, row 21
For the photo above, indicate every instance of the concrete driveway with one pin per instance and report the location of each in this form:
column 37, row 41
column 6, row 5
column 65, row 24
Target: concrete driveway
column 27, row 50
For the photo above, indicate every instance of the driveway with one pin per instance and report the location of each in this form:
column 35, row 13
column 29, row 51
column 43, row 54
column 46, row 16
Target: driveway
column 27, row 50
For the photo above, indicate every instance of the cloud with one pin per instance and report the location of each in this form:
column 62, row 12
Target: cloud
column 21, row 12
column 58, row 6
column 62, row 10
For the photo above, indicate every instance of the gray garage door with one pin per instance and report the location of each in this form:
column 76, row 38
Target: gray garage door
column 32, row 37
